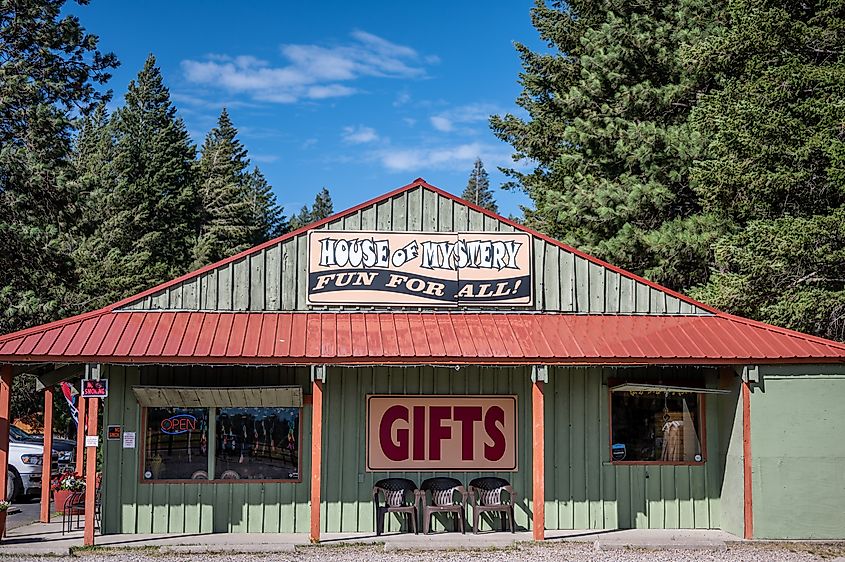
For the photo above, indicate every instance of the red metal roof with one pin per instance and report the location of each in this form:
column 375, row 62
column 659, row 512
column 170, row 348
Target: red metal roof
column 411, row 338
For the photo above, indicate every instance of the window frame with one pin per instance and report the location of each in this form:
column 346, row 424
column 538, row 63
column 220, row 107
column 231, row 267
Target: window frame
column 702, row 411
column 143, row 452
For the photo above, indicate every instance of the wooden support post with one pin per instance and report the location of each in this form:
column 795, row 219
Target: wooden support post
column 748, row 511
column 90, row 473
column 538, row 377
column 5, row 408
column 316, row 455
column 80, row 437
column 47, row 458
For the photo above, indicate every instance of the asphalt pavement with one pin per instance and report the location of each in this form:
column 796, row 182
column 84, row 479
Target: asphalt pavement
column 23, row 512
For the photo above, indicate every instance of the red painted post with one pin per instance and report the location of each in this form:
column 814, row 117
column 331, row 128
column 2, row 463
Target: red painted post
column 538, row 461
column 748, row 511
column 47, row 458
column 80, row 437
column 90, row 473
column 5, row 407
column 316, row 456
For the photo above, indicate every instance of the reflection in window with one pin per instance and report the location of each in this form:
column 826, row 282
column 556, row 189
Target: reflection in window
column 655, row 427
column 257, row 444
column 176, row 446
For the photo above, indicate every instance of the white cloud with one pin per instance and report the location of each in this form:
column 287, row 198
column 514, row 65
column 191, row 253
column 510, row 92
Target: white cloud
column 359, row 134
column 309, row 71
column 441, row 123
column 454, row 157
column 445, row 121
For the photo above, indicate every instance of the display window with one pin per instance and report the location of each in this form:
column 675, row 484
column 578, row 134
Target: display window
column 221, row 444
column 657, row 426
column 257, row 444
column 176, row 444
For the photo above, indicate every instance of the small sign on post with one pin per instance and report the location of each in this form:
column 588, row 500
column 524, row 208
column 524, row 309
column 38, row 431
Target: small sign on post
column 92, row 388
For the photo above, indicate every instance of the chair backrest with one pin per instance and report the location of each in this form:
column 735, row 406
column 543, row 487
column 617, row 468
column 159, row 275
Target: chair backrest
column 489, row 489
column 395, row 490
column 442, row 489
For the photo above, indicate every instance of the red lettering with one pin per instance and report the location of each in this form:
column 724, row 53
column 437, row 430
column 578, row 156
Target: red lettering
column 495, row 451
column 398, row 450
column 467, row 415
column 437, row 432
column 419, row 433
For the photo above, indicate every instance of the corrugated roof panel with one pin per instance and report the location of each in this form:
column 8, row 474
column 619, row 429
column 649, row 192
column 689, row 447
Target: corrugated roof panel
column 28, row 343
column 433, row 335
column 413, row 338
column 389, row 341
column 46, row 342
column 221, row 336
column 253, row 335
column 268, row 335
column 373, row 327
column 205, row 339
column 145, row 335
column 99, row 332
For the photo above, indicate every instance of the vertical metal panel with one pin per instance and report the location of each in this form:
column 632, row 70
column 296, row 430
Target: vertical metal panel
column 275, row 278
column 131, row 507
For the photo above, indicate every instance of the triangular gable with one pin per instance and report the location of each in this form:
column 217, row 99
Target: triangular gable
column 273, row 276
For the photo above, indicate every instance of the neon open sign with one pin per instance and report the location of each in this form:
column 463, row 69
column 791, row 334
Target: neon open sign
column 180, row 423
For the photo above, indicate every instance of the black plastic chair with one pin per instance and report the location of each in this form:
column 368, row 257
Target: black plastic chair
column 74, row 507
column 486, row 495
column 400, row 496
column 442, row 491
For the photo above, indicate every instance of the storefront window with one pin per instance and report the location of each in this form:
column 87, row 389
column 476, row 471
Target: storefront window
column 257, row 444
column 176, row 446
column 656, row 427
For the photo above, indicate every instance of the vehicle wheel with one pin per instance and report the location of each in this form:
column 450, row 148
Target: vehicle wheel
column 14, row 486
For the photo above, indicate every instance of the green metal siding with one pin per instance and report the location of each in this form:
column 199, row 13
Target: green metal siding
column 798, row 453
column 275, row 278
column 132, row 507
column 583, row 490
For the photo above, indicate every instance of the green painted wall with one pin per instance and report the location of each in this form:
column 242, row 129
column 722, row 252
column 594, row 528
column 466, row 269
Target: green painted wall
column 275, row 278
column 798, row 453
column 132, row 507
column 730, row 434
column 583, row 490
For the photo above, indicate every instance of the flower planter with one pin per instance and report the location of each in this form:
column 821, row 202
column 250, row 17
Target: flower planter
column 2, row 524
column 59, row 499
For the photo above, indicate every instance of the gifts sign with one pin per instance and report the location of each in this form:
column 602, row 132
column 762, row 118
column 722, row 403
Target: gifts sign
column 419, row 268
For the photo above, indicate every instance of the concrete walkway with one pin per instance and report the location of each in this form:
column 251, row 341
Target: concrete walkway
column 47, row 539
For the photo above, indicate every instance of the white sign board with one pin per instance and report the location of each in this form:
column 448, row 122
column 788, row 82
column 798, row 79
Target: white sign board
column 128, row 439
column 92, row 440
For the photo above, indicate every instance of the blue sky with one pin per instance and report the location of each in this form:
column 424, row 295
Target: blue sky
column 360, row 97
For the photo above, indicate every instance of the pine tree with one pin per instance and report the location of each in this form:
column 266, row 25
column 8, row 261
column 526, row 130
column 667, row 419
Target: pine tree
column 775, row 163
column 267, row 216
column 302, row 218
column 478, row 188
column 146, row 230
column 608, row 127
column 50, row 69
column 323, row 206
column 227, row 220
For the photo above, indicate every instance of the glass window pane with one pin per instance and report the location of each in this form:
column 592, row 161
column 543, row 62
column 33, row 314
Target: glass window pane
column 654, row 427
column 176, row 446
column 257, row 444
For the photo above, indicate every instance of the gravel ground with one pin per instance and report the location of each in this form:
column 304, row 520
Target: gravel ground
column 535, row 553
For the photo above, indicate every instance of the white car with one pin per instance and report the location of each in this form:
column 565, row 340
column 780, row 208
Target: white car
column 26, row 453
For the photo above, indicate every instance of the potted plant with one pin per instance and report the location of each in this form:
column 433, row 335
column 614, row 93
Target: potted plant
column 63, row 486
column 4, row 507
